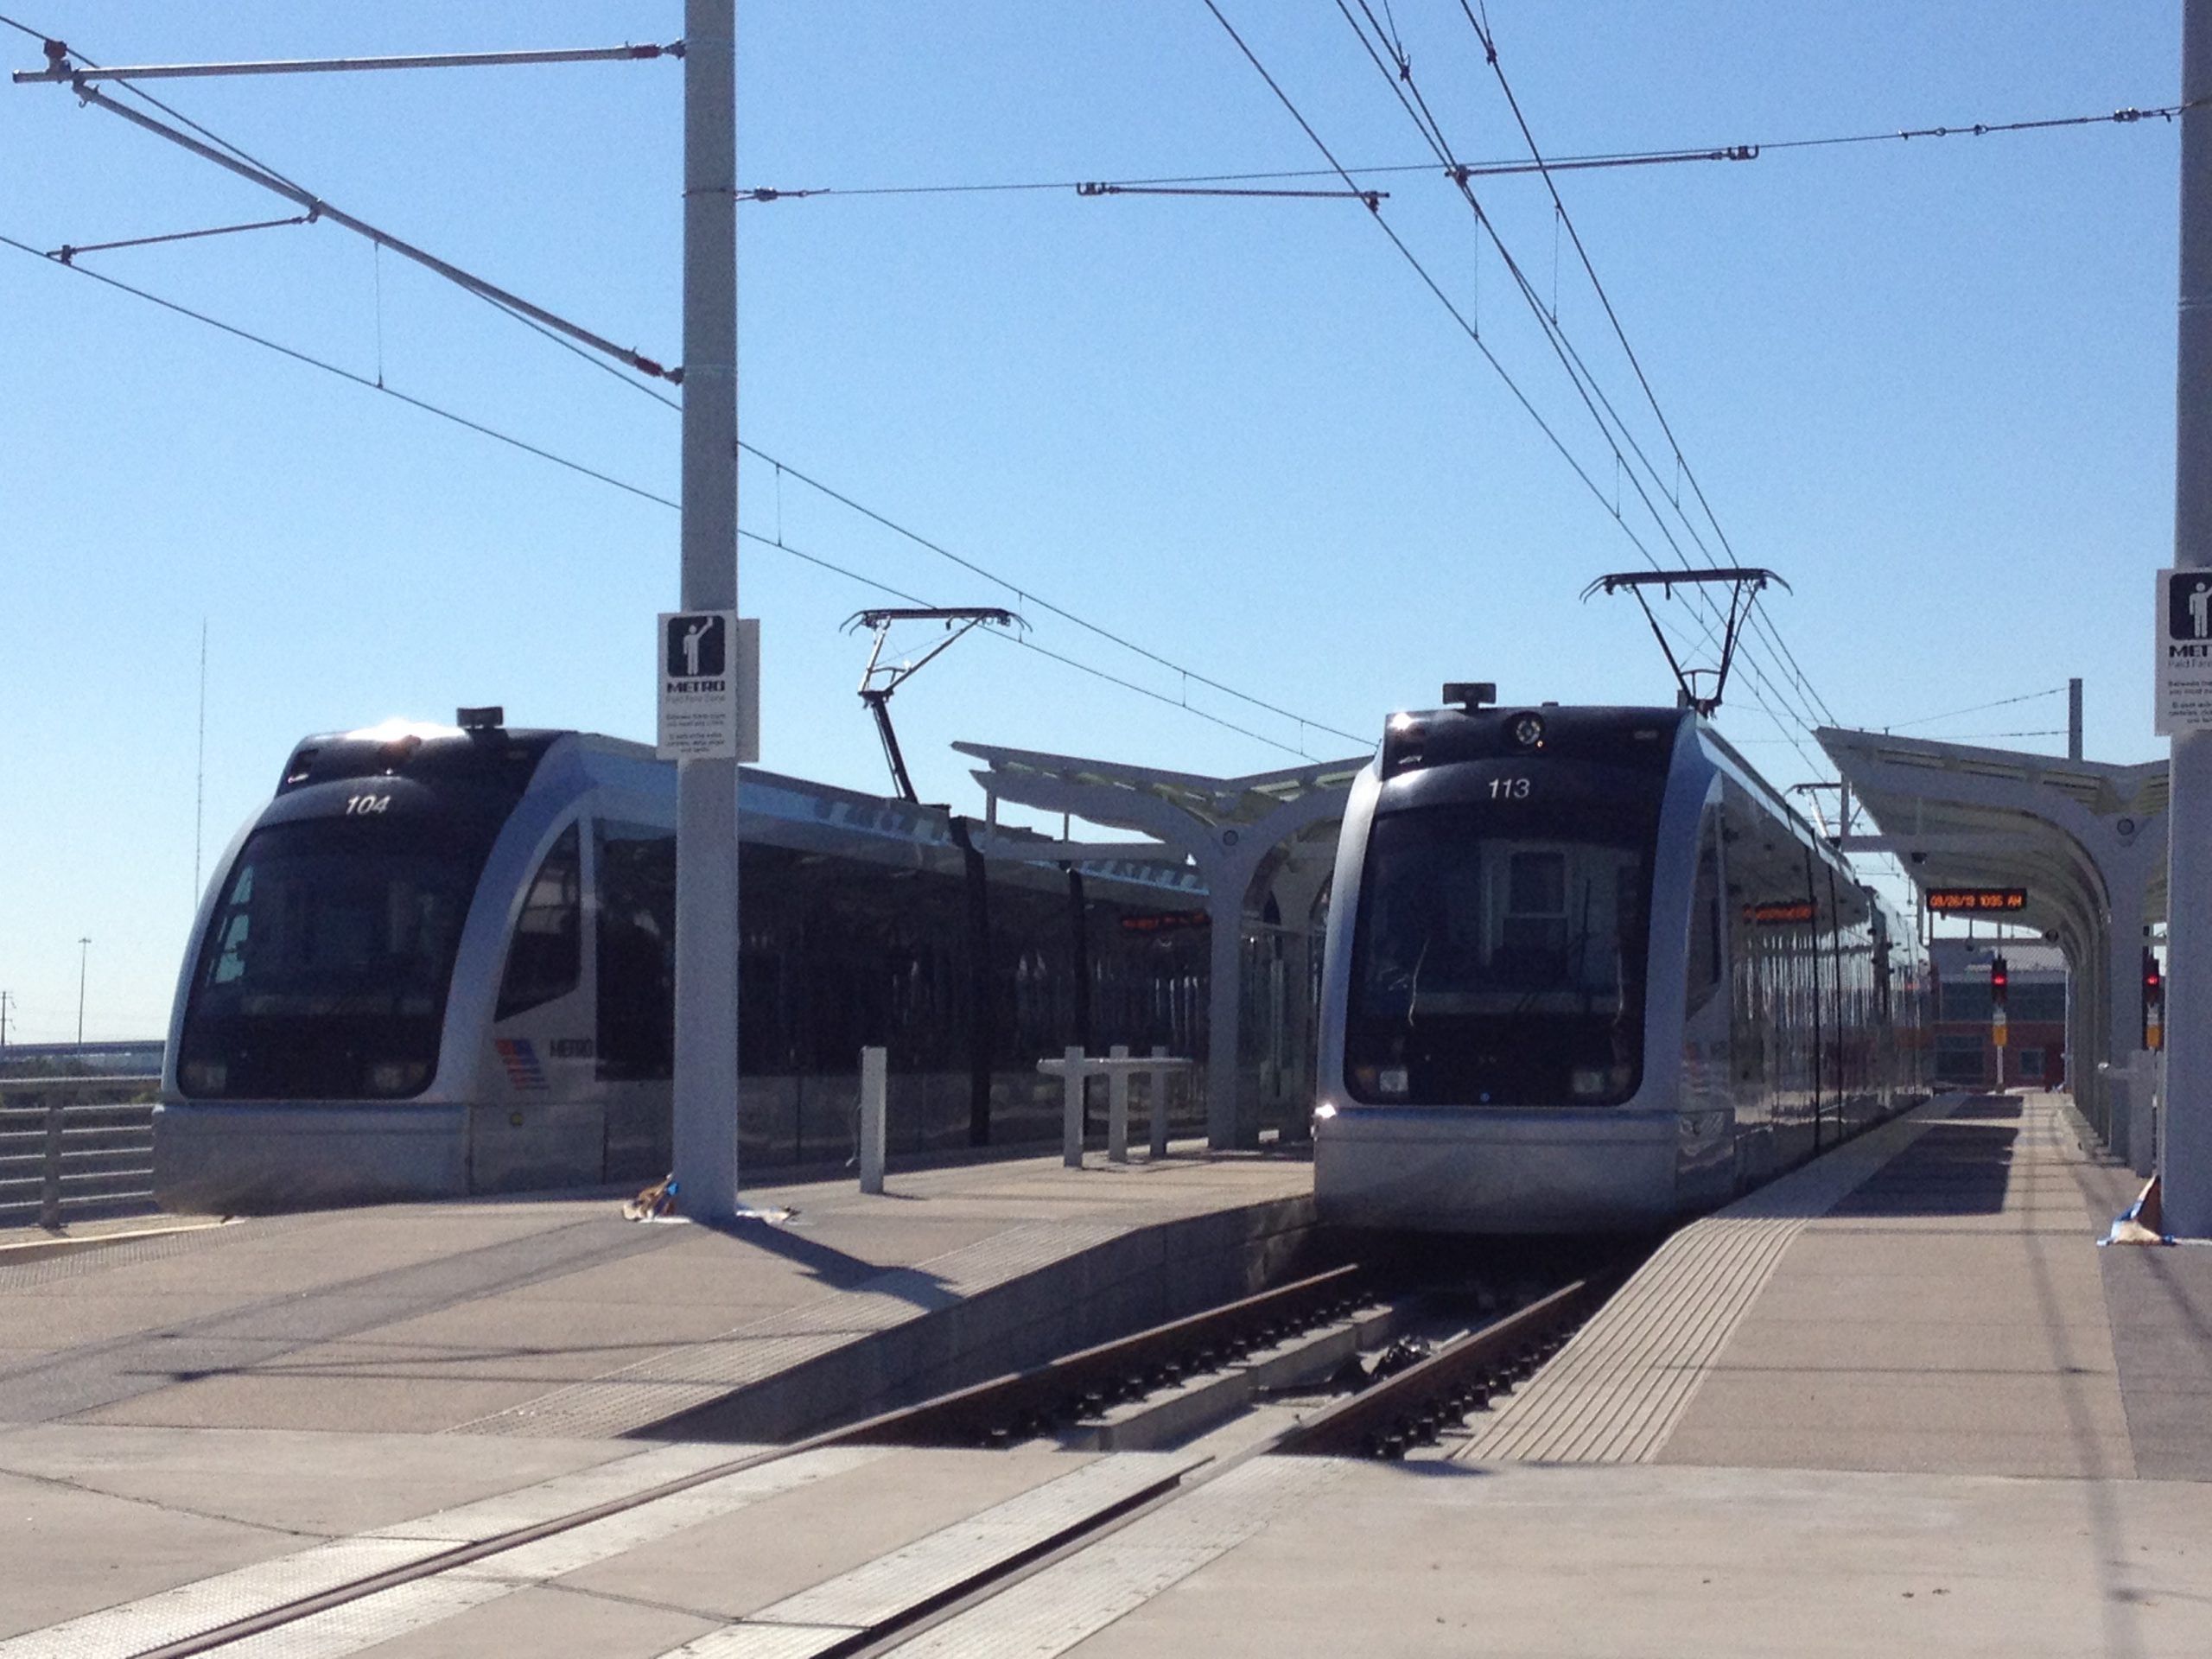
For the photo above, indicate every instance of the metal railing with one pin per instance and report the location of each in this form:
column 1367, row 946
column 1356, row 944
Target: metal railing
column 70, row 1151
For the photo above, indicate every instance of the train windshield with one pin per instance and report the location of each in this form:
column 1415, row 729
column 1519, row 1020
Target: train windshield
column 324, row 972
column 1498, row 958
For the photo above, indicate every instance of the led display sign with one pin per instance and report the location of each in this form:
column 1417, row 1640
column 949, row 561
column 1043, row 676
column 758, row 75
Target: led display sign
column 1788, row 910
column 1977, row 901
column 1163, row 921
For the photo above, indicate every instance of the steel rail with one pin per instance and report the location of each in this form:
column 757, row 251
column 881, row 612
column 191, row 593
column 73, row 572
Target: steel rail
column 1412, row 1405
column 1062, row 1389
column 1046, row 1389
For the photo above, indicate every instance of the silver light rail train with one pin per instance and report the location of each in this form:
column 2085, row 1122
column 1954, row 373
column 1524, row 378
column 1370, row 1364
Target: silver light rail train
column 440, row 961
column 1587, row 971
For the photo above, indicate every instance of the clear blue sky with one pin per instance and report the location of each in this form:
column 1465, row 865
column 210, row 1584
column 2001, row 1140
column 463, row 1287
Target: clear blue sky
column 1931, row 383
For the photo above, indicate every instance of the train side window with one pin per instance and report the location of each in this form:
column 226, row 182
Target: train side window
column 545, row 959
column 1705, row 959
column 636, row 950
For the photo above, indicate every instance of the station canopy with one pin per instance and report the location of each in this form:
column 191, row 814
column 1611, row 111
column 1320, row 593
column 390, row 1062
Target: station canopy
column 2086, row 839
column 1959, row 816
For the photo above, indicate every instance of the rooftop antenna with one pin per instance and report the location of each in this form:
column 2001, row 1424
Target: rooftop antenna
column 1744, row 582
column 880, row 679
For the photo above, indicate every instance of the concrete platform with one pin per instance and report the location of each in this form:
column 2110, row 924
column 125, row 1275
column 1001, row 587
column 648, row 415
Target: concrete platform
column 559, row 1319
column 1898, row 1401
column 1900, row 1398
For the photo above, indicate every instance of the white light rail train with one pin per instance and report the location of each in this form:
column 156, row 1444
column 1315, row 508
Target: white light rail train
column 440, row 961
column 1587, row 971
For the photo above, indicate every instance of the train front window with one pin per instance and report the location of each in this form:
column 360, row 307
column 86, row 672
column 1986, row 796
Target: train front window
column 325, row 969
column 1500, row 961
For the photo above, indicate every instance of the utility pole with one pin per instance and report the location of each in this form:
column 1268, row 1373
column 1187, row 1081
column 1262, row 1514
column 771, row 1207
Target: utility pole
column 706, row 790
column 6, row 998
column 2073, row 720
column 2185, row 1173
column 83, row 945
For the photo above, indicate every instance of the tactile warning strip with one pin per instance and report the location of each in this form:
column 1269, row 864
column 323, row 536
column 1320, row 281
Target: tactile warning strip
column 660, row 1386
column 1616, row 1391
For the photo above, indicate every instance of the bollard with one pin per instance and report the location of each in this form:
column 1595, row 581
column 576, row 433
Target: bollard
column 1071, row 1109
column 1158, row 1103
column 1117, row 1107
column 875, row 1087
column 49, row 1197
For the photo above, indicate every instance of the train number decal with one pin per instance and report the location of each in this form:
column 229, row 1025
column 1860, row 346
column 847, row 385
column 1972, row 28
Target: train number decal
column 1509, row 789
column 361, row 806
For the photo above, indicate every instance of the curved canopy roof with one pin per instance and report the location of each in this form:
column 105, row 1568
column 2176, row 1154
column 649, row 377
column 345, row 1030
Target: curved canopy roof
column 1963, row 817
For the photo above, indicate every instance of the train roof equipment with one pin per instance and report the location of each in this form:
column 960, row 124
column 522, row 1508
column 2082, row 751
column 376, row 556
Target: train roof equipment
column 1745, row 583
column 880, row 679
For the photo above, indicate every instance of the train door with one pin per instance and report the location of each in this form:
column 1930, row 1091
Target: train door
column 1705, row 1168
column 539, row 1122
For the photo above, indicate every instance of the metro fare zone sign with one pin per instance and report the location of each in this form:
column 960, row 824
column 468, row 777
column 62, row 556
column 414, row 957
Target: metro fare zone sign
column 2184, row 648
column 710, row 686
column 1976, row 901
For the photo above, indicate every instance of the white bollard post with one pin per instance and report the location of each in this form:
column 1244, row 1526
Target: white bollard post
column 1157, row 1104
column 1071, row 1109
column 875, row 1089
column 1117, row 1107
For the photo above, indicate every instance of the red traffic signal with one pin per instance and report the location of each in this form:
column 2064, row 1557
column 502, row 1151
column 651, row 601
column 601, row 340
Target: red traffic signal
column 2153, row 986
column 1999, row 977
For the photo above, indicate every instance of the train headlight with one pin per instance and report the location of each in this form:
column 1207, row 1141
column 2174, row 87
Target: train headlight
column 1528, row 731
column 204, row 1077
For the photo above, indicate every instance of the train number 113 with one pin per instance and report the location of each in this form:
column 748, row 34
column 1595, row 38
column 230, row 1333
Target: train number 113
column 1509, row 789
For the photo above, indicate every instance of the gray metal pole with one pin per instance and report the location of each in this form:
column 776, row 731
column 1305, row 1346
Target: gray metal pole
column 2073, row 720
column 82, row 946
column 2186, row 1175
column 706, row 790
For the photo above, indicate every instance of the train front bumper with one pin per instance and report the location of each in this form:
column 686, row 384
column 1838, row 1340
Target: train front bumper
column 1490, row 1170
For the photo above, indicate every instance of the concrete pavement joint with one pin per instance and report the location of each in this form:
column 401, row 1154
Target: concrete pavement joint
column 100, row 1374
column 160, row 1506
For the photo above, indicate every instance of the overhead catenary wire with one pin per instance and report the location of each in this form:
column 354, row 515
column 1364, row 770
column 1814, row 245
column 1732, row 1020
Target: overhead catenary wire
column 309, row 359
column 1489, row 42
column 605, row 358
column 69, row 251
column 1559, row 346
column 1611, row 426
column 1022, row 591
column 2128, row 116
column 1979, row 707
column 235, row 162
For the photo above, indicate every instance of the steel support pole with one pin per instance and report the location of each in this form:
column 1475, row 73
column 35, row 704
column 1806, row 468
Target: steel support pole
column 2073, row 720
column 2186, row 1153
column 706, row 790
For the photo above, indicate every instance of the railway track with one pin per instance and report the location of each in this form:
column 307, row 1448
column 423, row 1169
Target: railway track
column 1339, row 1363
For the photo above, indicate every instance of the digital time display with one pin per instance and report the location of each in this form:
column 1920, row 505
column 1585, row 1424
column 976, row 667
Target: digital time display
column 1976, row 901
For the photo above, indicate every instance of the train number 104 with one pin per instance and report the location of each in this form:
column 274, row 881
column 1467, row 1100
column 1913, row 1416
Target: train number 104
column 362, row 805
column 1509, row 789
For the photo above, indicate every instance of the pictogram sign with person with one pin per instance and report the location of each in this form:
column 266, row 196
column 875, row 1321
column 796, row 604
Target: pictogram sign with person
column 697, row 647
column 2189, row 604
